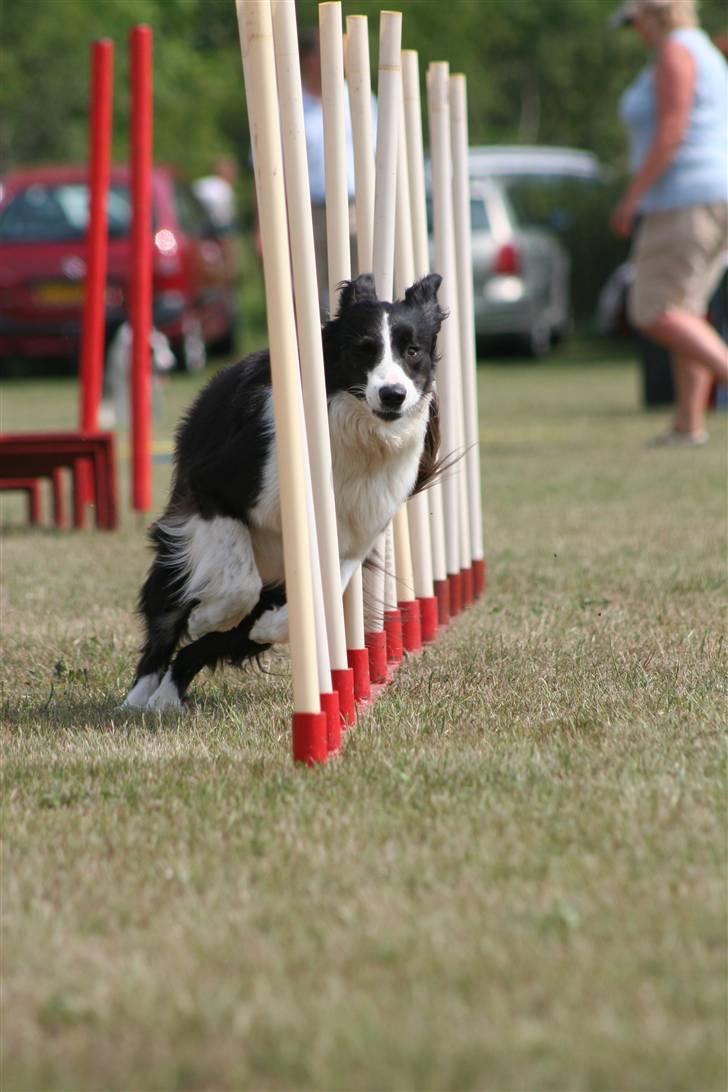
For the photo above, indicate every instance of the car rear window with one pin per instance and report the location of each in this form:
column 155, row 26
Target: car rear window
column 55, row 213
column 479, row 219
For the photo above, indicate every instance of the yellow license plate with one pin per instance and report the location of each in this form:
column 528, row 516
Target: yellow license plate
column 59, row 293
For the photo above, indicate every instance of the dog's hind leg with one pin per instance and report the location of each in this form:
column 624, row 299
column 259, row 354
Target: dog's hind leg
column 234, row 646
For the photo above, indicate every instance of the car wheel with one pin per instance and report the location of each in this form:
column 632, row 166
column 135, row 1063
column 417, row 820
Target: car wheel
column 538, row 341
column 190, row 349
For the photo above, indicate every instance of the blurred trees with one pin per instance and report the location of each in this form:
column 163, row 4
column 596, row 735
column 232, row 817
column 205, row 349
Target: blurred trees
column 547, row 71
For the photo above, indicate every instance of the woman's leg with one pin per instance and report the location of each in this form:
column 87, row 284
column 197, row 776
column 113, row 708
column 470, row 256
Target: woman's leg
column 690, row 337
column 692, row 390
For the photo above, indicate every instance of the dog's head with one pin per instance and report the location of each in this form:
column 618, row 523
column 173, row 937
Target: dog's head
column 384, row 353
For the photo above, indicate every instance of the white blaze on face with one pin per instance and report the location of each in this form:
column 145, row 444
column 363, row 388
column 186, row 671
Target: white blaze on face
column 389, row 372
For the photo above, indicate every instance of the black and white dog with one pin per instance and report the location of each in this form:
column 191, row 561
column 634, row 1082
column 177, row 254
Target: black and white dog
column 216, row 583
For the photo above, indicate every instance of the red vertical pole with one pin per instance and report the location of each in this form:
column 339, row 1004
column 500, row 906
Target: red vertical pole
column 140, row 45
column 94, row 311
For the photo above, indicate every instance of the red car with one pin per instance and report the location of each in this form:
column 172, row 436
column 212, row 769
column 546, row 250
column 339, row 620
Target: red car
column 43, row 217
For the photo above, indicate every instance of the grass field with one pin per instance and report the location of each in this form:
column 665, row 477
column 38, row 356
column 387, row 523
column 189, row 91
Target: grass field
column 512, row 878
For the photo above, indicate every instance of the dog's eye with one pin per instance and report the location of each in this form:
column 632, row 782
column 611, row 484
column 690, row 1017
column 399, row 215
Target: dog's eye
column 413, row 352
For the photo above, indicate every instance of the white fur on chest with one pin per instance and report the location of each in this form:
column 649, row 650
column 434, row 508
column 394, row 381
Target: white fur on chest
column 375, row 466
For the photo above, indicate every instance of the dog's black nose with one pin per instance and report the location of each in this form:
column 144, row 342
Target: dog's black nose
column 392, row 396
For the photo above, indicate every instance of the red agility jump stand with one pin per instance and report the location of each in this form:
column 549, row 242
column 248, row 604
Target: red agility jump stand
column 37, row 455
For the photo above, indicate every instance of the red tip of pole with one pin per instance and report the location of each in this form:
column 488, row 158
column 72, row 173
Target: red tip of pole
column 330, row 706
column 411, row 625
column 479, row 580
column 342, row 679
column 456, row 593
column 393, row 630
column 310, row 738
column 428, row 618
column 468, row 586
column 376, row 642
column 359, row 662
column 442, row 594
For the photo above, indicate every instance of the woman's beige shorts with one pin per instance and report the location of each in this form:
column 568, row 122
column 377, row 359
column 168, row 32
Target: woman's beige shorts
column 678, row 257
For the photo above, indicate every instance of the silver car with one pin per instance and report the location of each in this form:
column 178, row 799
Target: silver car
column 521, row 275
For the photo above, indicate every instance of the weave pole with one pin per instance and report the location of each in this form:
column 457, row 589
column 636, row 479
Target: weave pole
column 449, row 382
column 298, row 196
column 418, row 209
column 380, row 590
column 339, row 269
column 256, row 42
column 140, row 47
column 413, row 551
column 94, row 311
column 358, row 72
column 464, row 260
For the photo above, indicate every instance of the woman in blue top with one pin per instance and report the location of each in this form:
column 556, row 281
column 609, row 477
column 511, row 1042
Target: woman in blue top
column 676, row 112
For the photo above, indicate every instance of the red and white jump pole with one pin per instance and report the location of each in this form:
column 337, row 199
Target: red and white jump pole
column 339, row 269
column 94, row 311
column 420, row 241
column 140, row 60
column 256, row 41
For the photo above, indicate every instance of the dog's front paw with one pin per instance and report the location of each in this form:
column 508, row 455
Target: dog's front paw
column 165, row 698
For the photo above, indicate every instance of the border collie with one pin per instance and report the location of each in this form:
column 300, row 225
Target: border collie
column 215, row 586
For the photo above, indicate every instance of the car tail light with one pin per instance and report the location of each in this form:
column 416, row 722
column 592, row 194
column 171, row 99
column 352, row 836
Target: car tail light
column 507, row 261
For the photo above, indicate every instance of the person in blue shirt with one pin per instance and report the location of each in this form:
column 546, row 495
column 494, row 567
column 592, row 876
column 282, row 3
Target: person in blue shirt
column 676, row 112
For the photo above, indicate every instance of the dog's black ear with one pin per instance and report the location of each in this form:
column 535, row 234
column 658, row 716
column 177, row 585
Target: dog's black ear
column 361, row 288
column 423, row 294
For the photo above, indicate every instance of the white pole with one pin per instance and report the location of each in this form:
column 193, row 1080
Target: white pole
column 404, row 276
column 360, row 102
column 339, row 266
column 463, row 247
column 416, row 168
column 449, row 375
column 298, row 196
column 382, row 591
column 256, row 41
column 337, row 187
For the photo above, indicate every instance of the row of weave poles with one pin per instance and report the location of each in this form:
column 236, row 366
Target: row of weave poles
column 429, row 563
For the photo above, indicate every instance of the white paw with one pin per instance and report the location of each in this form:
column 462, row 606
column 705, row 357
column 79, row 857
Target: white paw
column 272, row 627
column 141, row 692
column 165, row 698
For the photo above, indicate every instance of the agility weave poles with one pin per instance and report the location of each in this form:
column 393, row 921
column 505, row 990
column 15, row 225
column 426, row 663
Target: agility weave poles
column 140, row 60
column 332, row 643
column 464, row 262
column 256, row 41
column 418, row 210
column 339, row 269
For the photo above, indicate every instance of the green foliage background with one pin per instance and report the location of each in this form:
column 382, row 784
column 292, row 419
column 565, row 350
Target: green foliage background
column 538, row 71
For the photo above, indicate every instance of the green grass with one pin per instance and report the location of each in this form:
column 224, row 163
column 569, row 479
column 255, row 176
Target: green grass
column 512, row 878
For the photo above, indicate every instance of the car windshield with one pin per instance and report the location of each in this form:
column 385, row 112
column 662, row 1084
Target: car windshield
column 58, row 212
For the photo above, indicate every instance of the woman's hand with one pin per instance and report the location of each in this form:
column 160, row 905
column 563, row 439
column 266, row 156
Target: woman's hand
column 622, row 219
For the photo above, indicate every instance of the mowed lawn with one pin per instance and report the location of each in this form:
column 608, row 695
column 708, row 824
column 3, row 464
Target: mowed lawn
column 513, row 877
